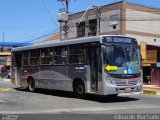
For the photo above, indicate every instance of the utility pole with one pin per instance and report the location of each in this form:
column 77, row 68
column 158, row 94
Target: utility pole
column 67, row 2
column 98, row 20
column 60, row 21
column 66, row 25
column 66, row 22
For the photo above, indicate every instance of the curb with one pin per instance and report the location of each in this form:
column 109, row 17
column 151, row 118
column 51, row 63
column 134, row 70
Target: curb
column 149, row 91
column 5, row 89
column 151, row 87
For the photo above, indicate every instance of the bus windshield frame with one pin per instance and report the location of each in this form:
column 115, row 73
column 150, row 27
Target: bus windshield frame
column 122, row 52
column 119, row 55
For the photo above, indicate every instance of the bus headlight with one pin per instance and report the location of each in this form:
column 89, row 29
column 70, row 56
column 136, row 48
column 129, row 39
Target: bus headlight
column 108, row 79
column 141, row 78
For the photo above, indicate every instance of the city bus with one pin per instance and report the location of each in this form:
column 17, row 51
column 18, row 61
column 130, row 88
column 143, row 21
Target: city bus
column 101, row 65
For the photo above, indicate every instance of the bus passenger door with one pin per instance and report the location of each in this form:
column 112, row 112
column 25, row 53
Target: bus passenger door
column 94, row 55
column 18, row 60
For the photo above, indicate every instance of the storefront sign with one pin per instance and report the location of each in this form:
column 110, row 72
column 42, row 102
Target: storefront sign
column 143, row 49
column 151, row 57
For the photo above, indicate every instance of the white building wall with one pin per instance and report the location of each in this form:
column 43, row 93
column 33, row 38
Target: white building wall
column 72, row 28
column 149, row 40
column 105, row 24
column 72, row 32
column 142, row 21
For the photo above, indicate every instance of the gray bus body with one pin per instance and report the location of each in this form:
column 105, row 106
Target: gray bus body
column 61, row 65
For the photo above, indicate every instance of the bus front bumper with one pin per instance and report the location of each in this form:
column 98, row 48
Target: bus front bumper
column 114, row 89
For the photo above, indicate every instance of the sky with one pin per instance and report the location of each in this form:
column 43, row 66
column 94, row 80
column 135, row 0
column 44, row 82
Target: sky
column 29, row 20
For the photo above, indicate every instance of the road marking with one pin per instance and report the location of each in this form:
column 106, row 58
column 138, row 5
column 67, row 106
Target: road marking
column 5, row 89
column 96, row 109
column 81, row 109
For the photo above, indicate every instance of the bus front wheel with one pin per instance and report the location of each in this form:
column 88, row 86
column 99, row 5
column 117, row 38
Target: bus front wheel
column 31, row 85
column 79, row 89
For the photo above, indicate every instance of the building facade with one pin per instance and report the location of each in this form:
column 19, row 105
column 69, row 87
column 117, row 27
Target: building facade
column 123, row 18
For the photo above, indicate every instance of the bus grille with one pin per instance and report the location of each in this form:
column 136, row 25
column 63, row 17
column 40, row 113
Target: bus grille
column 125, row 83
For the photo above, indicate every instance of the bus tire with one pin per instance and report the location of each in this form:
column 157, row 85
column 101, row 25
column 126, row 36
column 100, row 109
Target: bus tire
column 79, row 89
column 31, row 85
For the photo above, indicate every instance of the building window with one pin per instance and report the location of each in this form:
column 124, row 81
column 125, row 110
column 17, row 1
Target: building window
column 46, row 56
column 114, row 17
column 60, row 55
column 114, row 21
column 34, row 57
column 81, row 29
column 114, row 26
column 92, row 27
column 77, row 54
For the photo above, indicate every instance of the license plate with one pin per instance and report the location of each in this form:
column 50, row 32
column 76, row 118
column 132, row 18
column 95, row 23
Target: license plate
column 128, row 89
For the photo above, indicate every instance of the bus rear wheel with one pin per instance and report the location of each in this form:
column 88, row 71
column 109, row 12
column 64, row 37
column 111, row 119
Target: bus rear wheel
column 79, row 89
column 31, row 85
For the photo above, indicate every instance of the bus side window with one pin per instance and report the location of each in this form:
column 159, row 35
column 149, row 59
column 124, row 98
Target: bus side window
column 77, row 54
column 25, row 58
column 34, row 57
column 46, row 56
column 60, row 55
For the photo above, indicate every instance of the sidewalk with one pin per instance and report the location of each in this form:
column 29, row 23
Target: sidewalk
column 151, row 89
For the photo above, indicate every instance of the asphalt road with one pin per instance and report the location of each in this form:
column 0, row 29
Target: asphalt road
column 19, row 101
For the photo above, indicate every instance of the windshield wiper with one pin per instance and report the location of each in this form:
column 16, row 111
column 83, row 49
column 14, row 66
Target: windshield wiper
column 126, row 55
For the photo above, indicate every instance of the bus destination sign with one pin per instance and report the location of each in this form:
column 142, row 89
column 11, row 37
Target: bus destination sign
column 117, row 40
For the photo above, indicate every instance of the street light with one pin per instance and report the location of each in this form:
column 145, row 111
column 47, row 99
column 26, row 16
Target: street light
column 98, row 18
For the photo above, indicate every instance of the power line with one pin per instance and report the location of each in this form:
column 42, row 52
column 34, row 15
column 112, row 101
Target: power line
column 151, row 19
column 32, row 35
column 81, row 18
column 38, row 38
column 48, row 10
column 109, row 9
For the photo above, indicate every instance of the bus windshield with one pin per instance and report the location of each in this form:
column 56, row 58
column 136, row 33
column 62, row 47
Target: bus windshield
column 122, row 55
